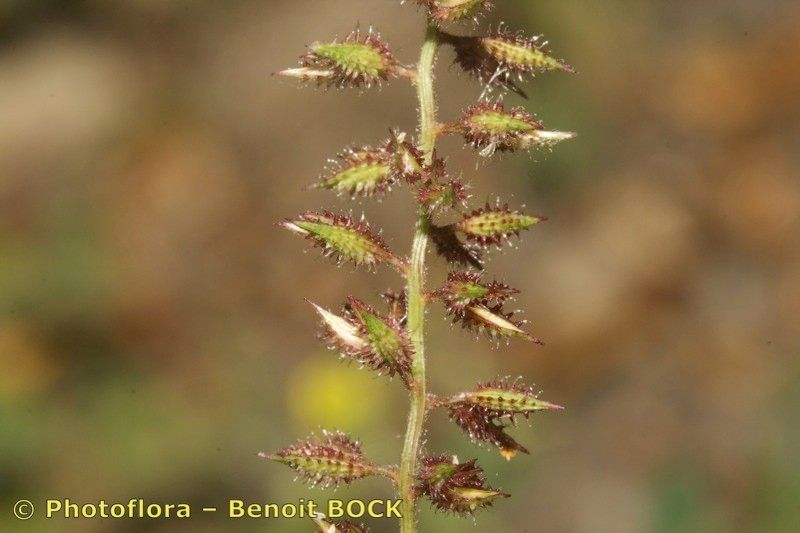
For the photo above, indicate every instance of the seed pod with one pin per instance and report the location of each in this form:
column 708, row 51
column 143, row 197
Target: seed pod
column 484, row 414
column 489, row 127
column 407, row 161
column 344, row 239
column 500, row 58
column 363, row 59
column 360, row 172
column 460, row 488
column 455, row 10
column 330, row 460
column 325, row 525
column 492, row 322
column 443, row 196
column 452, row 249
column 495, row 225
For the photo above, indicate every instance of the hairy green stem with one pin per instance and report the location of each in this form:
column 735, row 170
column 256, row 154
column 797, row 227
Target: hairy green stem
column 415, row 290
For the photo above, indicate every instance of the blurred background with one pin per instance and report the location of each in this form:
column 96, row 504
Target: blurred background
column 153, row 333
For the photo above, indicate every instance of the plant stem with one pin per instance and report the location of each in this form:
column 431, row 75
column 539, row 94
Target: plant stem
column 415, row 289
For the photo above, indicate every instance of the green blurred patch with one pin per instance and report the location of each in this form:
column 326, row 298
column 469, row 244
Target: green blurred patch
column 679, row 504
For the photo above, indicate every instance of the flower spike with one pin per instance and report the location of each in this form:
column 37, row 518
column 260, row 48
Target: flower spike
column 343, row 238
column 455, row 487
column 330, row 460
column 362, row 59
column 390, row 341
column 487, row 126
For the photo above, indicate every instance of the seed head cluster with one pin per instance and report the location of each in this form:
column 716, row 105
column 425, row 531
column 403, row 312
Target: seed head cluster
column 389, row 341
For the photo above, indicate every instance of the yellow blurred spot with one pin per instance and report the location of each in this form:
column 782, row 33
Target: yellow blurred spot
column 325, row 392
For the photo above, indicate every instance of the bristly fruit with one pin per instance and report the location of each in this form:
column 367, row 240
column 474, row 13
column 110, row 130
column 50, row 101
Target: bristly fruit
column 362, row 59
column 501, row 58
column 489, row 127
column 455, row 10
column 489, row 225
column 459, row 488
column 466, row 288
column 360, row 171
column 374, row 341
column 487, row 411
column 330, row 460
column 343, row 238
